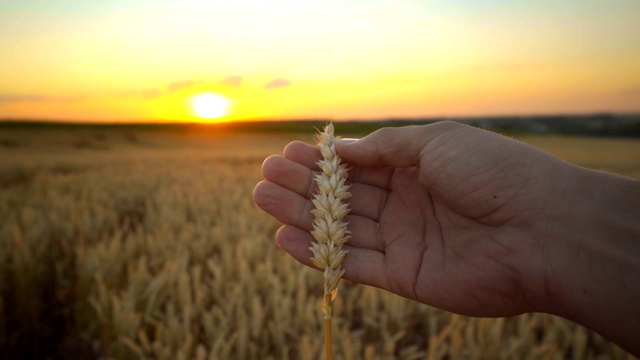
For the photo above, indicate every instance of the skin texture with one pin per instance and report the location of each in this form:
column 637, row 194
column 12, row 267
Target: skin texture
column 474, row 223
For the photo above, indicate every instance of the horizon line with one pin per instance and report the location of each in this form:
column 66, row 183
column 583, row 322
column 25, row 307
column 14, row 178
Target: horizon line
column 316, row 119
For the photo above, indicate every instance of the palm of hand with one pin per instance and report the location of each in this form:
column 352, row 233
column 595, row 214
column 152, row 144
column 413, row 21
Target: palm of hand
column 436, row 252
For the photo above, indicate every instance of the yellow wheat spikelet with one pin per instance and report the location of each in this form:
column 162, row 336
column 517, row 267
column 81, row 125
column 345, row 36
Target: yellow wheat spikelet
column 329, row 230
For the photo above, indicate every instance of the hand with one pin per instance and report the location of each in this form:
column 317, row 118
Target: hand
column 444, row 214
column 475, row 223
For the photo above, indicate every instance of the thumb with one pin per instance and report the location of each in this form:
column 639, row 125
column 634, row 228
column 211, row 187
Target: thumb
column 398, row 147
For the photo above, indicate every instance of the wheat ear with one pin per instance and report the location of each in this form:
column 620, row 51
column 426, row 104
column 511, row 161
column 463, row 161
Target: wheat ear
column 329, row 230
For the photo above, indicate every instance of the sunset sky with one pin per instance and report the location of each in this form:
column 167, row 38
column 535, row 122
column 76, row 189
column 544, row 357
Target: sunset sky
column 147, row 60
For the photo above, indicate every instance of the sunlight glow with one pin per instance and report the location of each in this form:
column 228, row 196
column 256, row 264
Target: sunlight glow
column 220, row 61
column 210, row 105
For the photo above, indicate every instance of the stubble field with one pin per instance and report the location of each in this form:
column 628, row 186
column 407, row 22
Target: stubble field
column 138, row 244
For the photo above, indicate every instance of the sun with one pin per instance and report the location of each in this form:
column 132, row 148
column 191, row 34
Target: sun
column 209, row 105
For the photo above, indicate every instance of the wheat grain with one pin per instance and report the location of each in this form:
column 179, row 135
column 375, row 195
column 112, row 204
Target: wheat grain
column 78, row 235
column 329, row 229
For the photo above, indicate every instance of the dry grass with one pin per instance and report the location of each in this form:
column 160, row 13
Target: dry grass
column 148, row 245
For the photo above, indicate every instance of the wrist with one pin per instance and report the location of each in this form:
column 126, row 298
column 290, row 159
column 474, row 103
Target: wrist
column 591, row 255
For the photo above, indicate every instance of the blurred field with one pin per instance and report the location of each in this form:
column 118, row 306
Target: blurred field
column 135, row 244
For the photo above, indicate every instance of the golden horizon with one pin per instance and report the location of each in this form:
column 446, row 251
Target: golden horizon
column 336, row 59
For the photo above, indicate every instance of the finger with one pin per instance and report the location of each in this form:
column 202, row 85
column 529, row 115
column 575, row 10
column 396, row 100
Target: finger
column 285, row 205
column 304, row 154
column 289, row 174
column 397, row 147
column 366, row 200
column 292, row 209
column 361, row 265
column 296, row 242
column 308, row 155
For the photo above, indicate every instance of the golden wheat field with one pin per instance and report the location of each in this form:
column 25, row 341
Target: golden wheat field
column 136, row 244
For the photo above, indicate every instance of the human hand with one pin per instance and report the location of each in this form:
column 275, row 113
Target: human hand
column 445, row 214
column 474, row 223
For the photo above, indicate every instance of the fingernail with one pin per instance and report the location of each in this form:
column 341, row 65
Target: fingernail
column 348, row 140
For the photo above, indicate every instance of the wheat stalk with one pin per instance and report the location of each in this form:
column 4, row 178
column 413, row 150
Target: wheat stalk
column 329, row 230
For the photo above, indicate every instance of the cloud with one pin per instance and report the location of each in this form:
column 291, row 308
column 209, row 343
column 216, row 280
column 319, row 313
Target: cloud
column 179, row 85
column 276, row 83
column 22, row 98
column 233, row 81
column 151, row 93
column 12, row 98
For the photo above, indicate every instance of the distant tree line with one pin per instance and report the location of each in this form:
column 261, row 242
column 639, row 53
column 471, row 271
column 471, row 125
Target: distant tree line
column 614, row 125
column 586, row 125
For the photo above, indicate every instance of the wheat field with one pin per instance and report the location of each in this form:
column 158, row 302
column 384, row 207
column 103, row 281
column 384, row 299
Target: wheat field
column 136, row 244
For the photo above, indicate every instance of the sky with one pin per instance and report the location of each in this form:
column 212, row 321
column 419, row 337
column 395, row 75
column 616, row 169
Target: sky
column 146, row 60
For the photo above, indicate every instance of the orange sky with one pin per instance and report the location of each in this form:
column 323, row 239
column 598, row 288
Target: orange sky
column 143, row 60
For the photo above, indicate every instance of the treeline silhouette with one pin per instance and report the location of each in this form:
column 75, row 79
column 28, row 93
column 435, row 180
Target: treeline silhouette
column 585, row 125
column 610, row 125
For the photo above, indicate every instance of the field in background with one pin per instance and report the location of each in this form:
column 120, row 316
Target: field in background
column 130, row 243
